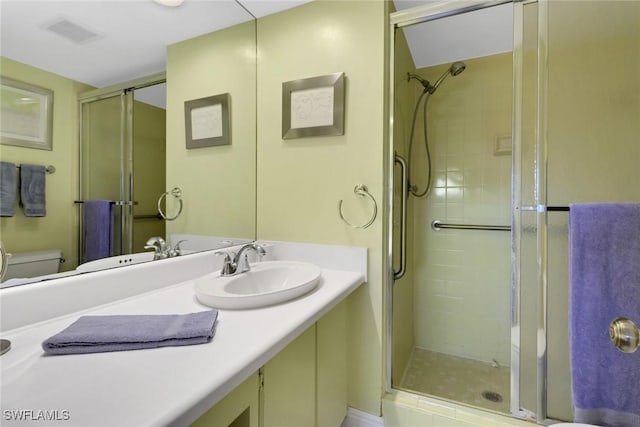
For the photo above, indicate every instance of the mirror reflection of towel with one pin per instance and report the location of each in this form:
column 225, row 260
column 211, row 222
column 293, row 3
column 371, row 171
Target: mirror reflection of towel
column 32, row 190
column 7, row 189
column 97, row 225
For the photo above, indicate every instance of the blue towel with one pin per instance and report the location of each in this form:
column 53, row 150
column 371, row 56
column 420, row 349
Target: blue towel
column 7, row 189
column 32, row 190
column 97, row 225
column 97, row 334
column 604, row 249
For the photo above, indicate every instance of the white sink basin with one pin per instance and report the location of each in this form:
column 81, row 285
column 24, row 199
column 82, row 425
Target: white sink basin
column 268, row 283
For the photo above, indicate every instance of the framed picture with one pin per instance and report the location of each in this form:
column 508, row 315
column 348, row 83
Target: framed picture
column 313, row 106
column 207, row 121
column 26, row 115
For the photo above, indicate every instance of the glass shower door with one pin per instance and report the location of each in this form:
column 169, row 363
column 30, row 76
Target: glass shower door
column 592, row 128
column 106, row 164
column 451, row 310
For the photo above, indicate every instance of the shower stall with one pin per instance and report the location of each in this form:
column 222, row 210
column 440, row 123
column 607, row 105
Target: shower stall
column 530, row 115
column 122, row 137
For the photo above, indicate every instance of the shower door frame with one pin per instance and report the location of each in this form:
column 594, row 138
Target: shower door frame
column 443, row 9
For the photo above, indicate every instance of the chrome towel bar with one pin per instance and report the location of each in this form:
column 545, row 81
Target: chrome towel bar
column 48, row 169
column 113, row 202
column 437, row 225
column 154, row 216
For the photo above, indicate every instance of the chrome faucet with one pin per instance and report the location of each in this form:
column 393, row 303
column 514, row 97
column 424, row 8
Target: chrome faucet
column 161, row 249
column 239, row 264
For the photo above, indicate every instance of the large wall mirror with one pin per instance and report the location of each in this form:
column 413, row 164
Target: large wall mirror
column 213, row 53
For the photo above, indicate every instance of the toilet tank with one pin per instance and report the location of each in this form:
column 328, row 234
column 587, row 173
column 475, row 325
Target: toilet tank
column 32, row 264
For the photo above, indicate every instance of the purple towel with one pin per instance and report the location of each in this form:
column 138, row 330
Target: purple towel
column 97, row 225
column 604, row 248
column 97, row 334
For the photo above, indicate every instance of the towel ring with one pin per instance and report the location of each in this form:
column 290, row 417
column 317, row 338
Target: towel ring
column 4, row 261
column 177, row 193
column 360, row 191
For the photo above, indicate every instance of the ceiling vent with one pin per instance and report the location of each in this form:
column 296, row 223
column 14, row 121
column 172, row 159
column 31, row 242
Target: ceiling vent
column 71, row 31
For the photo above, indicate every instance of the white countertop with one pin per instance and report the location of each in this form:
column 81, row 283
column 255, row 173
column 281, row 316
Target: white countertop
column 155, row 387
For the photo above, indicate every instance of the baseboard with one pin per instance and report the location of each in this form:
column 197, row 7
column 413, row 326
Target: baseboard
column 357, row 418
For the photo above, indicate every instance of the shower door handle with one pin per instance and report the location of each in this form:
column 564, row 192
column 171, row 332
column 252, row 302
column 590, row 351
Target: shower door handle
column 624, row 335
column 404, row 185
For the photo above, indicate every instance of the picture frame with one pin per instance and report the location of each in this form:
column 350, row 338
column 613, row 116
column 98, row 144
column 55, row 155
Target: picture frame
column 207, row 121
column 26, row 115
column 313, row 106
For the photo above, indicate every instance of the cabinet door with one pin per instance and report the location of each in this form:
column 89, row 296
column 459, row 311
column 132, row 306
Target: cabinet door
column 237, row 409
column 331, row 341
column 289, row 392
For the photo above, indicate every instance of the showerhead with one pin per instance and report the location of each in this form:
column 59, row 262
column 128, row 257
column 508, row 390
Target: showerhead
column 455, row 69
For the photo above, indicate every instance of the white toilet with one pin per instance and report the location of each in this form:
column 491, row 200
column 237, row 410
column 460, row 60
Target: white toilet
column 32, row 264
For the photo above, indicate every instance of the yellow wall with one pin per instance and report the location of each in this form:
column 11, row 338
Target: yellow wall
column 149, row 154
column 218, row 183
column 300, row 181
column 58, row 230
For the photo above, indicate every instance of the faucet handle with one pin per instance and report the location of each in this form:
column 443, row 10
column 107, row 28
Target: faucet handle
column 176, row 251
column 154, row 240
column 227, row 265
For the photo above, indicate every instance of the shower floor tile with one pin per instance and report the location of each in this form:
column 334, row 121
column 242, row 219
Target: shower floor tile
column 457, row 379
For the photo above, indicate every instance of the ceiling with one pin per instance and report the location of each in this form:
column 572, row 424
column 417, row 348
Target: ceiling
column 103, row 43
column 469, row 35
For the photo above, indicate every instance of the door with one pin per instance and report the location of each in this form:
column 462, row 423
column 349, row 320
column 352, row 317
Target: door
column 106, row 163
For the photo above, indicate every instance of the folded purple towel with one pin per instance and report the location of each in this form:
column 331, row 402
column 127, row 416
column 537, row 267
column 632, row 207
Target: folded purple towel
column 604, row 251
column 96, row 334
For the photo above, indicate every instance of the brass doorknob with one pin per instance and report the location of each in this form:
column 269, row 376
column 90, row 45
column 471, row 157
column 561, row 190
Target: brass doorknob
column 624, row 334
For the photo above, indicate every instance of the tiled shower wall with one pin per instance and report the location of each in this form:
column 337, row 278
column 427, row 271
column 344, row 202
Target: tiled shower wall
column 462, row 277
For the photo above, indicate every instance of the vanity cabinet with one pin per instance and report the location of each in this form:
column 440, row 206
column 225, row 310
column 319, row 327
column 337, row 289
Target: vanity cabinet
column 331, row 367
column 288, row 396
column 240, row 408
column 304, row 385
